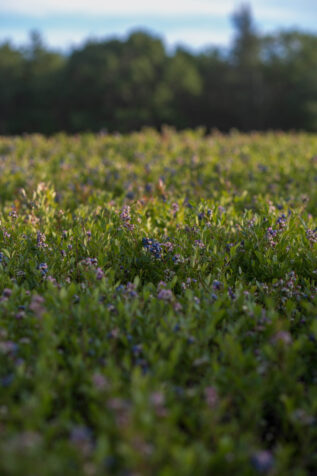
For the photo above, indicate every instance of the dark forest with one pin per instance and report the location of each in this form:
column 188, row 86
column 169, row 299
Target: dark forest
column 261, row 82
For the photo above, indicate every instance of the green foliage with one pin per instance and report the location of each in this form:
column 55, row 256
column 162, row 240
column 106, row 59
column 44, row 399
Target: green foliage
column 158, row 304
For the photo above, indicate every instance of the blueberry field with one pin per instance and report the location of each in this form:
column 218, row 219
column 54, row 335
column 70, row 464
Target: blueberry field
column 158, row 310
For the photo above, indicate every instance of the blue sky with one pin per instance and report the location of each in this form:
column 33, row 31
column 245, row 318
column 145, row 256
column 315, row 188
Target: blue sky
column 193, row 23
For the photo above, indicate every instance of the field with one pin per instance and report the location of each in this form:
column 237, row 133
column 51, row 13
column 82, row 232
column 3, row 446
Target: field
column 158, row 304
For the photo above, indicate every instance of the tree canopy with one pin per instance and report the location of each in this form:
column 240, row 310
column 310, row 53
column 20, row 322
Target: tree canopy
column 263, row 82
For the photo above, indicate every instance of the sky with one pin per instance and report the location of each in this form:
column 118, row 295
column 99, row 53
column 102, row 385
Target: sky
column 194, row 24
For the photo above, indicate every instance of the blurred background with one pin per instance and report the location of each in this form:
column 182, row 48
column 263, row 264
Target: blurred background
column 118, row 66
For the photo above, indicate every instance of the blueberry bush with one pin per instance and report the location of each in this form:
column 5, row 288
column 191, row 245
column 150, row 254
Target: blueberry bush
column 158, row 304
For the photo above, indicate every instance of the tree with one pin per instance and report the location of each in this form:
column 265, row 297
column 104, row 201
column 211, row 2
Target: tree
column 290, row 66
column 37, row 103
column 11, row 80
column 247, row 80
column 246, row 46
column 262, row 82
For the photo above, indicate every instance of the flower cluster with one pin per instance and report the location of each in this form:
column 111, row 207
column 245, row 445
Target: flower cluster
column 178, row 259
column 199, row 244
column 163, row 293
column 169, row 274
column 168, row 245
column 189, row 281
column 154, row 247
column 281, row 221
column 99, row 273
column 37, row 305
column 175, row 208
column 13, row 214
column 262, row 461
column 125, row 217
column 288, row 287
column 5, row 294
column 217, row 285
column 311, row 235
column 271, row 235
column 43, row 268
column 128, row 290
column 40, row 240
column 87, row 262
column 282, row 337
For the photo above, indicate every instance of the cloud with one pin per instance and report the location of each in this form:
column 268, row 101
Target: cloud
column 118, row 7
column 59, row 39
column 197, row 38
column 193, row 23
column 270, row 9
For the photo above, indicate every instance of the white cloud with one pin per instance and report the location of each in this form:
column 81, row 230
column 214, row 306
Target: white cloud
column 195, row 38
column 266, row 8
column 118, row 7
column 60, row 39
column 267, row 12
column 18, row 37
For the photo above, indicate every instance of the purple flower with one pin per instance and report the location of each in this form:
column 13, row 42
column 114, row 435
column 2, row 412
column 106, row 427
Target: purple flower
column 36, row 305
column 125, row 217
column 7, row 292
column 281, row 221
column 89, row 262
column 81, row 436
column 40, row 240
column 271, row 234
column 231, row 293
column 311, row 235
column 283, row 337
column 130, row 290
column 175, row 208
column 165, row 295
column 7, row 380
column 262, row 461
column 211, row 396
column 154, row 247
column 137, row 349
column 217, row 284
column 100, row 382
column 177, row 258
column 13, row 214
column 43, row 268
column 99, row 273
column 199, row 244
column 168, row 246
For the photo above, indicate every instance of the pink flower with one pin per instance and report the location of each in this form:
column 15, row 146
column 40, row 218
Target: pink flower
column 283, row 337
column 100, row 382
column 36, row 305
column 165, row 295
column 211, row 396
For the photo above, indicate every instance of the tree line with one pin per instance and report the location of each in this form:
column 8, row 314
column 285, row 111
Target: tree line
column 261, row 82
